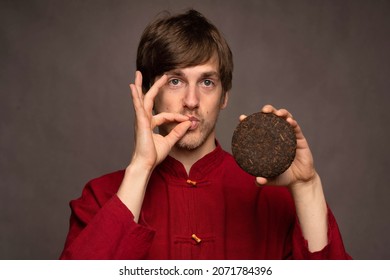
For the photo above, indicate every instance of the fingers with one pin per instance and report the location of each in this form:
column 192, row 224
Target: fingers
column 153, row 91
column 136, row 97
column 136, row 91
column 164, row 117
column 279, row 112
column 271, row 109
column 177, row 133
column 268, row 109
column 242, row 117
column 146, row 100
column 138, row 81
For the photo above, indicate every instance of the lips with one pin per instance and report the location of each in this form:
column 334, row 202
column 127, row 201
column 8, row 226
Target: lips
column 194, row 122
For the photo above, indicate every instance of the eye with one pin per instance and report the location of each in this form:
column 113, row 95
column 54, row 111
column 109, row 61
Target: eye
column 208, row 83
column 174, row 82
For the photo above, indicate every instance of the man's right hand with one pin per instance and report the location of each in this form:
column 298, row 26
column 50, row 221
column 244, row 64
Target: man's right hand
column 151, row 148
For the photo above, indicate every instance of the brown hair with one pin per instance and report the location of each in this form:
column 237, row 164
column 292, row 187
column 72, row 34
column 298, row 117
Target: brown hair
column 181, row 41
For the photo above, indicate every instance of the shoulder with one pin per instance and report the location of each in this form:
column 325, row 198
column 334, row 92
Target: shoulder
column 108, row 181
column 102, row 188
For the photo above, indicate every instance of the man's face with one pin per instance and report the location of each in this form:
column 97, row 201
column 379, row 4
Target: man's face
column 197, row 93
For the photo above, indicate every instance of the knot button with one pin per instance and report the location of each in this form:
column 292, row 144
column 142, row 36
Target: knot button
column 197, row 239
column 190, row 182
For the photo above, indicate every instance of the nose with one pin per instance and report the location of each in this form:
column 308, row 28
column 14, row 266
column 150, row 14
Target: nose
column 191, row 98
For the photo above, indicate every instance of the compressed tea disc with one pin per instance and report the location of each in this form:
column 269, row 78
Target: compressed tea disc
column 264, row 145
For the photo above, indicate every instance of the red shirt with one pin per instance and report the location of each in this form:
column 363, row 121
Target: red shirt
column 231, row 217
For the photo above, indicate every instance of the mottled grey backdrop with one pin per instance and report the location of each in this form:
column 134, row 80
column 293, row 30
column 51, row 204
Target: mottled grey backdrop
column 66, row 115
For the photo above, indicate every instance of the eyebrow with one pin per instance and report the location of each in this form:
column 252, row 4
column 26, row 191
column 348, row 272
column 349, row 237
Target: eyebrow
column 210, row 74
column 175, row 73
column 179, row 73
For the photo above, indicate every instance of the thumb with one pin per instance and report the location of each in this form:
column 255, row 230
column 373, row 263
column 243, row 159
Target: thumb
column 177, row 133
column 261, row 181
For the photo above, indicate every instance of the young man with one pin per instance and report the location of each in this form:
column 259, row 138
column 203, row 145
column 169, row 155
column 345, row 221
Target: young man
column 182, row 196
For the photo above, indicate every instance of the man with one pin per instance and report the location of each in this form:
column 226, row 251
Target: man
column 182, row 196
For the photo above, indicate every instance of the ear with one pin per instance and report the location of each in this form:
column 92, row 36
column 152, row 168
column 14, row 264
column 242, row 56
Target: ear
column 224, row 101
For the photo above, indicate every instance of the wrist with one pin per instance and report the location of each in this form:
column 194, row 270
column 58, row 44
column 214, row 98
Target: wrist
column 139, row 168
column 308, row 188
column 139, row 164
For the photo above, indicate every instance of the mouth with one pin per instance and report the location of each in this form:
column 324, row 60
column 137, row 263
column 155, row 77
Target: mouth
column 194, row 122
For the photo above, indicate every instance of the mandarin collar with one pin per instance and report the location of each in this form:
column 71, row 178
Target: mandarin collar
column 198, row 170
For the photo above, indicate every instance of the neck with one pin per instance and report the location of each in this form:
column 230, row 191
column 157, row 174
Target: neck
column 189, row 157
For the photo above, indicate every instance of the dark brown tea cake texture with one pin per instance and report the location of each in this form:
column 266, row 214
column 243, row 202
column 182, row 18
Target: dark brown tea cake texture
column 264, row 145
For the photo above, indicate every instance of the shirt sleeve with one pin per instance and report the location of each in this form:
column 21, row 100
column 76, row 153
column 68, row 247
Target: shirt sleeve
column 334, row 250
column 106, row 231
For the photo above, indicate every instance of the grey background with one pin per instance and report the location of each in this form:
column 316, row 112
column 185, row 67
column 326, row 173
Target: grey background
column 66, row 115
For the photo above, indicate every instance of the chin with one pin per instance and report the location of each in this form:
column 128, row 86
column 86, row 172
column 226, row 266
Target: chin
column 190, row 141
column 188, row 145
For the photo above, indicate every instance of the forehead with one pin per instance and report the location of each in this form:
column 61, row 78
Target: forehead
column 209, row 68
